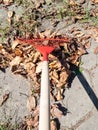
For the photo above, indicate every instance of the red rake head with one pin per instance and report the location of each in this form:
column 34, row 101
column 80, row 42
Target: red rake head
column 45, row 49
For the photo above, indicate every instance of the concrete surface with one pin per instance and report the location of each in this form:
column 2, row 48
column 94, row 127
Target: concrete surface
column 81, row 99
column 90, row 124
column 15, row 106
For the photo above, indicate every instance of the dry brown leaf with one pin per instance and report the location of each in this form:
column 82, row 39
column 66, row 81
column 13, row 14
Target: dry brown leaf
column 14, row 44
column 55, row 111
column 7, row 2
column 78, row 17
column 82, row 1
column 81, row 51
column 59, row 95
column 55, row 65
column 29, row 123
column 36, row 111
column 10, row 14
column 31, row 103
column 38, row 3
column 53, row 125
column 63, row 76
column 66, row 47
column 9, row 21
column 17, row 18
column 74, row 58
column 96, row 50
column 18, row 52
column 47, row 33
column 79, row 34
column 52, row 57
column 1, row 47
column 36, row 56
column 28, row 66
column 55, row 80
column 95, row 1
column 39, row 67
column 55, row 74
column 87, row 45
column 4, row 98
column 72, row 2
column 36, row 119
column 60, row 85
column 16, row 61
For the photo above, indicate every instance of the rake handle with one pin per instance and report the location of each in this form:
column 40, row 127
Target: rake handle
column 44, row 117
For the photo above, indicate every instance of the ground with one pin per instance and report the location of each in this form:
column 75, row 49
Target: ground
column 80, row 103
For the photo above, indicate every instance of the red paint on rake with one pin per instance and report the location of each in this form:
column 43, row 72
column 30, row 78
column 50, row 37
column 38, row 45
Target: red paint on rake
column 45, row 49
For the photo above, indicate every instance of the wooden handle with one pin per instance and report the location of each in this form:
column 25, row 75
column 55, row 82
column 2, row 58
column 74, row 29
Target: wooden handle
column 44, row 116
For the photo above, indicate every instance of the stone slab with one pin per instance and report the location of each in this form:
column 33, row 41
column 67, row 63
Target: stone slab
column 18, row 87
column 78, row 104
column 90, row 124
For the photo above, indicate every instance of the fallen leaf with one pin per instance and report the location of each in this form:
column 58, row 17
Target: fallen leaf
column 30, row 123
column 81, row 51
column 16, row 61
column 79, row 34
column 4, row 99
column 31, row 103
column 10, row 14
column 95, row 1
column 7, row 2
column 14, row 44
column 55, row 111
column 55, row 74
column 18, row 52
column 53, row 125
column 82, row 1
column 87, row 45
column 96, row 50
column 55, row 80
column 9, row 21
column 60, row 85
column 38, row 3
column 74, row 58
column 39, row 67
column 52, row 57
column 28, row 66
column 47, row 33
column 36, row 111
column 54, row 65
column 78, row 17
column 1, row 47
column 59, row 95
column 72, row 2
column 36, row 57
column 63, row 76
column 36, row 119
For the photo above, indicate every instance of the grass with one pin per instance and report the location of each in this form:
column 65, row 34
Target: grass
column 9, row 126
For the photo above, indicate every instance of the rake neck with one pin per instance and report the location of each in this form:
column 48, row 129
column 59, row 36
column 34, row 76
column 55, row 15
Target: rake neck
column 45, row 51
column 45, row 56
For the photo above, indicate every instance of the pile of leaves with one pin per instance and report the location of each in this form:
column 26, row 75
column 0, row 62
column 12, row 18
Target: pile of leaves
column 24, row 59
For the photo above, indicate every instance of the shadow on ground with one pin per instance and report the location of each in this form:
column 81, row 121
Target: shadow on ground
column 76, row 72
